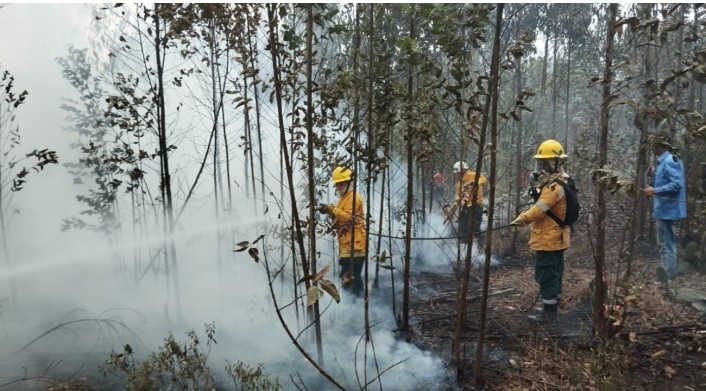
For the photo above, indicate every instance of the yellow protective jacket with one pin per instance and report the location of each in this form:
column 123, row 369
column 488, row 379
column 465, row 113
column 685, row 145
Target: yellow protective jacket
column 465, row 190
column 546, row 234
column 350, row 226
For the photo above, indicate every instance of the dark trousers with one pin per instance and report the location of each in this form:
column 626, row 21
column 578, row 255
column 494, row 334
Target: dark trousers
column 464, row 221
column 352, row 267
column 549, row 273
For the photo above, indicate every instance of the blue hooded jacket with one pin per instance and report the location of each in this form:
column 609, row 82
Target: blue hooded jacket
column 670, row 190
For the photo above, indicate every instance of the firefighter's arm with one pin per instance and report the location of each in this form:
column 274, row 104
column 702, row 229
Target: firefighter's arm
column 549, row 196
column 345, row 212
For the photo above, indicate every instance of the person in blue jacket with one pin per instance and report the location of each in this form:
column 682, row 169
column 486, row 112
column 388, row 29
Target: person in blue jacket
column 668, row 191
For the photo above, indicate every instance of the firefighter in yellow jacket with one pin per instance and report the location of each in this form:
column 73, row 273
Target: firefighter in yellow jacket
column 547, row 238
column 349, row 223
column 465, row 195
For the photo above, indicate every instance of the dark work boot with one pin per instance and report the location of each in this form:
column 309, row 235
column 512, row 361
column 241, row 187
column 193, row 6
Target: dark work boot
column 547, row 315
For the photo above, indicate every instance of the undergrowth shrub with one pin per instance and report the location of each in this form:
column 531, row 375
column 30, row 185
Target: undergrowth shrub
column 609, row 364
column 182, row 366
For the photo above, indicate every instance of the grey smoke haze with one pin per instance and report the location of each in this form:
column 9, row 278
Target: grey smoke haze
column 71, row 276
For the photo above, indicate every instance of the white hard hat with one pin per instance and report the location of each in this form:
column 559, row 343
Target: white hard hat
column 458, row 166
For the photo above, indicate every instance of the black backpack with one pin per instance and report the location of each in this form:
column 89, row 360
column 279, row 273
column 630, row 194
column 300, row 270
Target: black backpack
column 573, row 205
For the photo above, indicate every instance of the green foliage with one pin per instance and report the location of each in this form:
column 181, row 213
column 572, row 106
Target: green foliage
column 182, row 366
column 609, row 363
column 12, row 173
column 246, row 378
column 104, row 161
column 175, row 365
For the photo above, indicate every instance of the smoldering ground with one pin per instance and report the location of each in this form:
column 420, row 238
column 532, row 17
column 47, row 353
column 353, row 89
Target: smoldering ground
column 75, row 304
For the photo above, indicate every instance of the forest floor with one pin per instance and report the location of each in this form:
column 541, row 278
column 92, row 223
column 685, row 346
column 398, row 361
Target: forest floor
column 658, row 335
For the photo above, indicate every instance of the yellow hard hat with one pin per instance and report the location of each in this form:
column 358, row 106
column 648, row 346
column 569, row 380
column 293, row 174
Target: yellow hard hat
column 550, row 149
column 341, row 174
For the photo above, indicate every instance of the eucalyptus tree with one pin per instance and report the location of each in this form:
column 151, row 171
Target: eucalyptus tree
column 410, row 98
column 292, row 61
column 457, row 32
column 97, row 164
column 244, row 39
column 150, row 61
column 309, row 125
column 599, row 279
column 107, row 164
column 218, row 35
column 654, row 101
column 491, row 120
column 387, row 95
column 443, row 95
column 578, row 19
column 646, row 84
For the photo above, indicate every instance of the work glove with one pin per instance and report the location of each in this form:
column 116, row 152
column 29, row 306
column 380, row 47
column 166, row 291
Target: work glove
column 517, row 222
column 322, row 208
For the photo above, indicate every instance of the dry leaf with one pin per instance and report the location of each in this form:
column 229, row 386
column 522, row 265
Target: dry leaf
column 658, row 354
column 330, row 288
column 632, row 336
column 322, row 272
column 669, row 371
column 254, row 253
column 312, row 295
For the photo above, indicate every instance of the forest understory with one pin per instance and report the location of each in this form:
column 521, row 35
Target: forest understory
column 657, row 338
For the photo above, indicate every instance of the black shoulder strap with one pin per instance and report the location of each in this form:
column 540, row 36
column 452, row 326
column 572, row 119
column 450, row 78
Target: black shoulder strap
column 549, row 212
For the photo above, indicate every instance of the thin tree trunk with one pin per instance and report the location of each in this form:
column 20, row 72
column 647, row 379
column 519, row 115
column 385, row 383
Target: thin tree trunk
column 164, row 157
column 310, row 164
column 555, row 73
column 252, row 45
column 274, row 49
column 598, row 299
column 410, row 183
column 217, row 179
column 545, row 65
column 493, row 89
column 370, row 150
column 568, row 84
column 518, row 144
column 249, row 166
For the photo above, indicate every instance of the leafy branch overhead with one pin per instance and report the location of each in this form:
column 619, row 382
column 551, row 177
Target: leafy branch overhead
column 252, row 251
column 614, row 182
column 319, row 284
column 44, row 157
